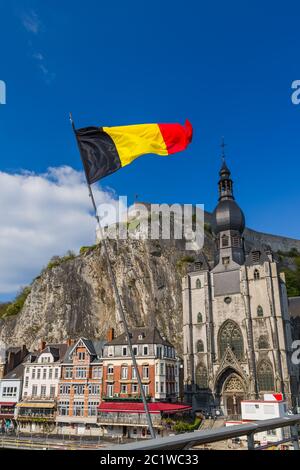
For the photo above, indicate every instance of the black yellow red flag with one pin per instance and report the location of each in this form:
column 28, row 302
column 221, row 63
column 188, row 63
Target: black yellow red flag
column 105, row 150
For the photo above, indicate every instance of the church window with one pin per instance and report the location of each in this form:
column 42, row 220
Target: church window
column 235, row 241
column 199, row 318
column 230, row 336
column 256, row 274
column 226, row 260
column 263, row 342
column 200, row 346
column 260, row 312
column 265, row 377
column 201, row 376
column 256, row 256
column 198, row 284
column 225, row 240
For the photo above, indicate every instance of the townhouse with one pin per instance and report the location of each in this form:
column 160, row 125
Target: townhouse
column 80, row 388
column 37, row 410
column 121, row 411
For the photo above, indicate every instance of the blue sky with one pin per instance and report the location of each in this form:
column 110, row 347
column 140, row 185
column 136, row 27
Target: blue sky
column 226, row 66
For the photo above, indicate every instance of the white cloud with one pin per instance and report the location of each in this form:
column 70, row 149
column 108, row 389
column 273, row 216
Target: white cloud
column 41, row 216
column 31, row 22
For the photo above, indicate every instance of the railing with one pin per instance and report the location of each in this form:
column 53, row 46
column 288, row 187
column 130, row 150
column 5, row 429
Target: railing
column 127, row 419
column 191, row 439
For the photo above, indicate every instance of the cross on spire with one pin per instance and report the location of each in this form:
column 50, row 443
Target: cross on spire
column 223, row 145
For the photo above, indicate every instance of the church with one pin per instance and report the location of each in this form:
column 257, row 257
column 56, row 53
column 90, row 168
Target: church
column 236, row 323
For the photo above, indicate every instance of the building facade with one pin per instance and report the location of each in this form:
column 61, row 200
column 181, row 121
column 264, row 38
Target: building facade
column 80, row 388
column 121, row 412
column 237, row 332
column 37, row 410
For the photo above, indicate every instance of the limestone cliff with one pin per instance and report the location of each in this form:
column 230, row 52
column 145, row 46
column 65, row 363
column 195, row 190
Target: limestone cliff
column 76, row 297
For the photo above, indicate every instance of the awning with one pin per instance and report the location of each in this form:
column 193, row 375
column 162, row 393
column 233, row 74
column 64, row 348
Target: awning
column 35, row 405
column 131, row 407
column 3, row 403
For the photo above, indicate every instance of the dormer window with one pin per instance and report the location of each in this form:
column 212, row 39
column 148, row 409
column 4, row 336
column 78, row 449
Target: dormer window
column 198, row 266
column 226, row 261
column 141, row 336
column 81, row 356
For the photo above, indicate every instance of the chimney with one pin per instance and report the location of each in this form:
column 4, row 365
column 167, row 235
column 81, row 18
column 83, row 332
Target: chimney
column 41, row 345
column 70, row 342
column 110, row 334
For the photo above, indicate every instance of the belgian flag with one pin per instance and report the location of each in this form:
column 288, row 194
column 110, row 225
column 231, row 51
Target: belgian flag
column 105, row 150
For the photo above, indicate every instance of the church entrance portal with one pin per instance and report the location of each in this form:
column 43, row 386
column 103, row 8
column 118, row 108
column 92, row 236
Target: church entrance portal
column 233, row 393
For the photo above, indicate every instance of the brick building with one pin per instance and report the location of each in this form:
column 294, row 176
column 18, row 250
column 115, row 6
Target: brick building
column 80, row 388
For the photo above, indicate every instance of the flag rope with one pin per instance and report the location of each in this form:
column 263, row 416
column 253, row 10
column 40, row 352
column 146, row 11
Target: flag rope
column 117, row 294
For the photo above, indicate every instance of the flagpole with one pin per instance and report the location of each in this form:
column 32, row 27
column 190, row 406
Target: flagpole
column 116, row 291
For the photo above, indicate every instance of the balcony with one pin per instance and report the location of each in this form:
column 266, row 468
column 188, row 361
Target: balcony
column 127, row 419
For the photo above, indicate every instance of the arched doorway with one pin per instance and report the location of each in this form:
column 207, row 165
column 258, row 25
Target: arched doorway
column 233, row 393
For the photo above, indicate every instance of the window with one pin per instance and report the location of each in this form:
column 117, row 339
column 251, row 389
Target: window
column 198, row 265
column 64, row 389
column 256, row 274
column 135, row 350
column 34, row 390
column 92, row 408
column 256, row 256
column 33, row 373
column 225, row 240
column 227, row 300
column 235, row 241
column 110, row 369
column 63, row 408
column 124, row 351
column 141, row 336
column 110, row 351
column 110, row 390
column 198, row 284
column 133, row 376
column 38, row 374
column 199, row 318
column 81, row 356
column 94, row 389
column 230, row 336
column 78, row 408
column 78, row 389
column 50, row 373
column 156, row 387
column 263, row 342
column 162, row 368
column 56, row 374
column 81, row 373
column 146, row 389
column 26, row 382
column 145, row 350
column 260, row 312
column 123, row 388
column 68, row 372
column 265, row 376
column 97, row 372
column 145, row 372
column 134, row 388
column 43, row 391
column 200, row 346
column 162, row 387
column 124, row 372
column 225, row 260
column 44, row 373
column 9, row 391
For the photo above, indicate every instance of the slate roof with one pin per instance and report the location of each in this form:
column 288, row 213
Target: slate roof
column 58, row 350
column 16, row 373
column 95, row 347
column 150, row 336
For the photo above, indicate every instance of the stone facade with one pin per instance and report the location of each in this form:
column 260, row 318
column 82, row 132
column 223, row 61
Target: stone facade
column 236, row 323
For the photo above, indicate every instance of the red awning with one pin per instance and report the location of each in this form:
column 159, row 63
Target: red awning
column 3, row 403
column 131, row 407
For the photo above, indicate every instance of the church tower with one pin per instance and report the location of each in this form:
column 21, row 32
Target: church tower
column 236, row 325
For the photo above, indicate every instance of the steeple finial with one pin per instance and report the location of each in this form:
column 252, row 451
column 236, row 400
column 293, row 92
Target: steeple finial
column 223, row 145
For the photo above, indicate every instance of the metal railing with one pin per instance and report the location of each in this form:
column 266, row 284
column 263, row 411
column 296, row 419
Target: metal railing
column 191, row 439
